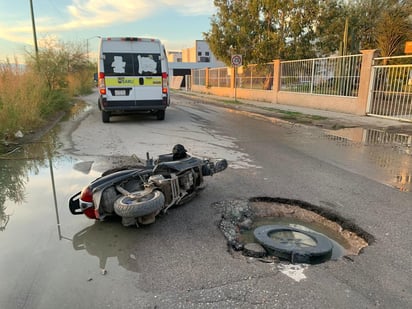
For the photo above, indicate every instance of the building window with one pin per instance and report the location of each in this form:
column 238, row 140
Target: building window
column 199, row 53
column 206, row 53
column 204, row 59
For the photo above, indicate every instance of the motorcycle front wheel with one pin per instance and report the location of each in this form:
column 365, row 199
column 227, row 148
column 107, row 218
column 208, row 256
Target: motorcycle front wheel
column 126, row 206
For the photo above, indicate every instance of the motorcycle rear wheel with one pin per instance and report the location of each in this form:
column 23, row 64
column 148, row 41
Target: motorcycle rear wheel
column 141, row 206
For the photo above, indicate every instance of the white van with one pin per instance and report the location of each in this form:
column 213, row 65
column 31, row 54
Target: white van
column 133, row 77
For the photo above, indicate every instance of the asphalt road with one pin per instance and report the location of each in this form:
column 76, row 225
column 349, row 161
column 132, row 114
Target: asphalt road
column 182, row 260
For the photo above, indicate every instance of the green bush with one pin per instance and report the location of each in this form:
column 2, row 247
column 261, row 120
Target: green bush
column 54, row 100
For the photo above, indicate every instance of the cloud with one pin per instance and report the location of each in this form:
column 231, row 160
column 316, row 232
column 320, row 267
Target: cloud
column 184, row 7
column 16, row 33
column 99, row 13
column 104, row 12
column 94, row 14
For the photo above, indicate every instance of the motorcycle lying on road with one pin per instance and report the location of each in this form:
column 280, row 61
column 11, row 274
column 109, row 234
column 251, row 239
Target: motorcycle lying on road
column 139, row 194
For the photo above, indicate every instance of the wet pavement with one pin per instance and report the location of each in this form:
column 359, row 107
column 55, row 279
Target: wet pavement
column 379, row 147
column 39, row 232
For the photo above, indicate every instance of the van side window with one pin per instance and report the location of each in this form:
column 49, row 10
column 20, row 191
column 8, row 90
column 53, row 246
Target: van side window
column 132, row 64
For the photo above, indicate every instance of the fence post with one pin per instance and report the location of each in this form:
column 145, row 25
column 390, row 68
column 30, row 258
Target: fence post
column 276, row 79
column 232, row 77
column 364, row 80
column 207, row 77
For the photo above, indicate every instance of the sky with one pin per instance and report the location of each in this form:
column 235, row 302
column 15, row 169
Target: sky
column 177, row 23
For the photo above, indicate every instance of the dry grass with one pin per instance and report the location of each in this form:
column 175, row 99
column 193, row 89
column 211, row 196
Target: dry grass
column 80, row 83
column 26, row 100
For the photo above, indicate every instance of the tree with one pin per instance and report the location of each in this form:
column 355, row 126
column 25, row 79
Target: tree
column 394, row 28
column 381, row 24
column 330, row 28
column 55, row 60
column 233, row 29
column 262, row 30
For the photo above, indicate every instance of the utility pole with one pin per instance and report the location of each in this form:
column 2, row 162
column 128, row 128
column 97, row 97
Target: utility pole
column 36, row 48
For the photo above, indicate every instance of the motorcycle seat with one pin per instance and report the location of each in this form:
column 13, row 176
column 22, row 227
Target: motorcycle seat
column 178, row 165
column 165, row 158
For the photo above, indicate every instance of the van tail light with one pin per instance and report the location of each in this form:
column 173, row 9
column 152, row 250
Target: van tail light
column 86, row 203
column 102, row 84
column 164, row 82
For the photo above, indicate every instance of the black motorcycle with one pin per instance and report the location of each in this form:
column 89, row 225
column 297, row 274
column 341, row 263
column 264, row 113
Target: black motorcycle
column 139, row 194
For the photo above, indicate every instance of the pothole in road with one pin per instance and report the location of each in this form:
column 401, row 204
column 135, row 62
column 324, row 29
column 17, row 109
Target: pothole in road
column 277, row 228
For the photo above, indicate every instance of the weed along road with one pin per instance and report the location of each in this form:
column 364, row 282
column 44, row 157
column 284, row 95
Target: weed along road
column 183, row 260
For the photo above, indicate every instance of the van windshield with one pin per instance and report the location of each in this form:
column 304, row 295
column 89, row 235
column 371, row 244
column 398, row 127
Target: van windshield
column 132, row 64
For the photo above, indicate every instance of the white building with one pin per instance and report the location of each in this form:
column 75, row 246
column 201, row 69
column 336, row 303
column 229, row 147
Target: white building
column 174, row 56
column 198, row 57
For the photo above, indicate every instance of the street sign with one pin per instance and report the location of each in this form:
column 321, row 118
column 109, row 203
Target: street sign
column 408, row 47
column 236, row 60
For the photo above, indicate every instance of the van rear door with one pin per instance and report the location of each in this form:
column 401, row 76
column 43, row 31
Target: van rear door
column 133, row 73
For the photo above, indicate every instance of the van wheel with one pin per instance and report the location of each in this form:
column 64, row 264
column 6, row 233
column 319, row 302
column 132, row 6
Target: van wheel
column 161, row 115
column 105, row 117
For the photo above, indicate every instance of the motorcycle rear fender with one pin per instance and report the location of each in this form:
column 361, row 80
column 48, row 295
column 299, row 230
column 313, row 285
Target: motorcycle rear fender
column 112, row 179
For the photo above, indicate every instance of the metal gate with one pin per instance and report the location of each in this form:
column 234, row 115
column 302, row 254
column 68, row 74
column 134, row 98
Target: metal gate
column 390, row 94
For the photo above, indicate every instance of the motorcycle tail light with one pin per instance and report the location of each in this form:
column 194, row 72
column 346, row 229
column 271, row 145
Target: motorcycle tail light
column 86, row 203
column 90, row 213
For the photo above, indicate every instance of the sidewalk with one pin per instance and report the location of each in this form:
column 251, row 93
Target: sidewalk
column 331, row 118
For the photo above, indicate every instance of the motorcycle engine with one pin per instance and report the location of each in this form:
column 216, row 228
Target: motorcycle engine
column 186, row 181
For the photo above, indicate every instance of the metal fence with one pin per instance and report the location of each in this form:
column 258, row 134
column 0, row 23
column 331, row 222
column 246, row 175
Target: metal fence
column 247, row 77
column 326, row 76
column 255, row 77
column 219, row 77
column 199, row 77
column 390, row 93
column 391, row 88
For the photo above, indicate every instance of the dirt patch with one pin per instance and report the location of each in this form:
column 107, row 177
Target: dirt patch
column 9, row 144
column 279, row 210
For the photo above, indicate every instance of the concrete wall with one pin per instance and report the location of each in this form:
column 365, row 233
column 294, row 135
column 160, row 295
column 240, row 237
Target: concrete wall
column 350, row 105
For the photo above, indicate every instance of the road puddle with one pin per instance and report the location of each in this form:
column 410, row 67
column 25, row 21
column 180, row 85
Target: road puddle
column 35, row 221
column 390, row 154
column 108, row 240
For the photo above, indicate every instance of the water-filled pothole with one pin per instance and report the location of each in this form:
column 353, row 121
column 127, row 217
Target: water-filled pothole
column 241, row 218
column 340, row 245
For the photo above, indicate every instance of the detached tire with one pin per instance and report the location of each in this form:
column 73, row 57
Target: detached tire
column 138, row 207
column 295, row 245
